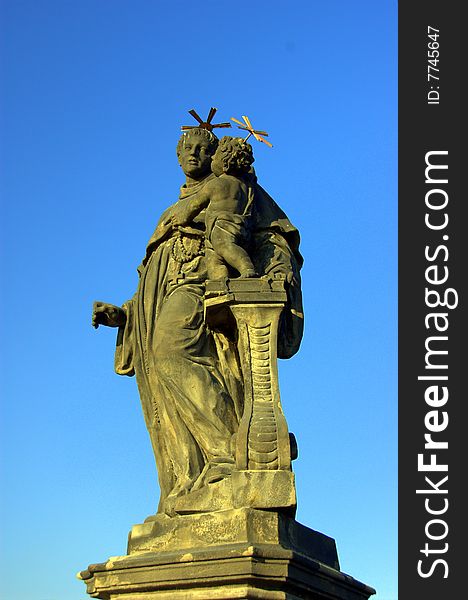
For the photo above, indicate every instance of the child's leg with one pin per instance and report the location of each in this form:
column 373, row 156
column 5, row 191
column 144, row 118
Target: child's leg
column 215, row 265
column 225, row 245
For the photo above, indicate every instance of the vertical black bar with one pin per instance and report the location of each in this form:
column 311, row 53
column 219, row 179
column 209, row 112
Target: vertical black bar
column 432, row 271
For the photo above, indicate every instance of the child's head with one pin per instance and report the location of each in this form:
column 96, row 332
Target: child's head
column 233, row 156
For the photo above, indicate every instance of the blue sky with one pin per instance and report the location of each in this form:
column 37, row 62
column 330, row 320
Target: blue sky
column 93, row 94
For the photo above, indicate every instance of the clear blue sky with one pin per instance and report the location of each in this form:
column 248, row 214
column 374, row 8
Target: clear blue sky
column 93, row 94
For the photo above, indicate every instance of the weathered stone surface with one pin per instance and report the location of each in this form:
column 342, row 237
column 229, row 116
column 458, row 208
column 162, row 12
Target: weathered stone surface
column 254, row 489
column 239, row 553
column 265, row 489
column 228, row 528
column 240, row 571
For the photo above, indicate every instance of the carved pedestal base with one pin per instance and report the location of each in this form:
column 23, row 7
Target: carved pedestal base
column 236, row 538
column 232, row 554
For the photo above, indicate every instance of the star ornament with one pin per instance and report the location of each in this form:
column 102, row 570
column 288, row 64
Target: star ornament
column 247, row 126
column 204, row 124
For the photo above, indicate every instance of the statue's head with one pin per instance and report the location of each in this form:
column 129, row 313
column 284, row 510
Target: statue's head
column 233, row 156
column 194, row 151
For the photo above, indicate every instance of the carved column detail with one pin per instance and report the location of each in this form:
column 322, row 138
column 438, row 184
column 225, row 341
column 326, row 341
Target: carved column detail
column 262, row 441
column 263, row 431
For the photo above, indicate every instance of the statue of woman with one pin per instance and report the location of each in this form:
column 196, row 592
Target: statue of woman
column 188, row 376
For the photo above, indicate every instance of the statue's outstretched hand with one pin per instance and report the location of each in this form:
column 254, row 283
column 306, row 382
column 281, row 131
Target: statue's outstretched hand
column 107, row 314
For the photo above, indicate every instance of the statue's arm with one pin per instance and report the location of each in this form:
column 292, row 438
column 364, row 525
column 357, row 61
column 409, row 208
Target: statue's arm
column 184, row 213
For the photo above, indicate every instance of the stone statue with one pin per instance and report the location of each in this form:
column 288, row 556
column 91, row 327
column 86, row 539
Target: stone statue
column 189, row 376
column 218, row 300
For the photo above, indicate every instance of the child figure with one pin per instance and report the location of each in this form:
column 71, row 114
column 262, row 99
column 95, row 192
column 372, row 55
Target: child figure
column 228, row 201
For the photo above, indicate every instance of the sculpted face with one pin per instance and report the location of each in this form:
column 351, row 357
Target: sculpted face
column 195, row 157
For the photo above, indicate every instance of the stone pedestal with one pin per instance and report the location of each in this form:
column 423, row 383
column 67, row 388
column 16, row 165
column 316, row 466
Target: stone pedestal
column 231, row 554
column 236, row 537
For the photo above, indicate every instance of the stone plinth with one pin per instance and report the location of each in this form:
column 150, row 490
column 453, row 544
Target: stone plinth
column 161, row 533
column 253, row 489
column 232, row 554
